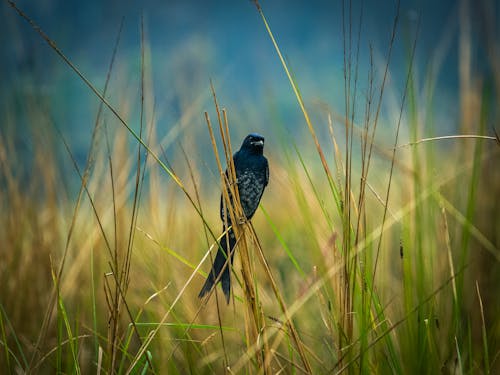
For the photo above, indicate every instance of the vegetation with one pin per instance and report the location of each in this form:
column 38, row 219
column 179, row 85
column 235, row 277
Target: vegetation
column 366, row 256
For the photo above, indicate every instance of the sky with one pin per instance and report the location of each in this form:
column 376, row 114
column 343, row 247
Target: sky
column 190, row 43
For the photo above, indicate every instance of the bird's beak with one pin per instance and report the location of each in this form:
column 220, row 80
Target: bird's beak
column 258, row 143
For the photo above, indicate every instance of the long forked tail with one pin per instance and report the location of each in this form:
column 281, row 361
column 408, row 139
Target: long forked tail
column 220, row 265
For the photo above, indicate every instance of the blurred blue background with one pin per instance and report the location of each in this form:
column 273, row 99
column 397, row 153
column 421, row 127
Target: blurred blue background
column 191, row 42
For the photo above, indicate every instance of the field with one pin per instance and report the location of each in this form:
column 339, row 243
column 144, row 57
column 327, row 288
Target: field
column 375, row 250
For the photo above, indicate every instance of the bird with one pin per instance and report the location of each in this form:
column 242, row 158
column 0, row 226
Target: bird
column 252, row 176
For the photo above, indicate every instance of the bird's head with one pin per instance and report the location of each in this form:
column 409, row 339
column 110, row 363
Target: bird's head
column 253, row 143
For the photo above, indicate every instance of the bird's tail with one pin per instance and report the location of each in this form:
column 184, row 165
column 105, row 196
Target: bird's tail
column 220, row 265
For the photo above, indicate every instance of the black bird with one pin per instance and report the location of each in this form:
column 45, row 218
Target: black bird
column 252, row 176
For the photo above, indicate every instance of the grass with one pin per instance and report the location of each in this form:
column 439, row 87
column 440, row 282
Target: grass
column 360, row 260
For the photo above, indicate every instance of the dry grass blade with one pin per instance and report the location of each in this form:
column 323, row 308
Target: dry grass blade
column 483, row 331
column 444, row 137
column 297, row 94
column 448, row 248
column 472, row 229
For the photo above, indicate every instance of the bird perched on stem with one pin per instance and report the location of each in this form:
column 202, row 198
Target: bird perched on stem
column 252, row 175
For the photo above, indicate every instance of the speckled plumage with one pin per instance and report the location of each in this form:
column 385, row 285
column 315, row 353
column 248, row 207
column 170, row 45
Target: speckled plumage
column 252, row 174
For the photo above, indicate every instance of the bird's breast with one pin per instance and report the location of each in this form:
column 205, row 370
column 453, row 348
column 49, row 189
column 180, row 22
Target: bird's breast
column 251, row 184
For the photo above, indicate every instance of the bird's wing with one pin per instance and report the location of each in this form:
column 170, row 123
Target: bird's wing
column 267, row 172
